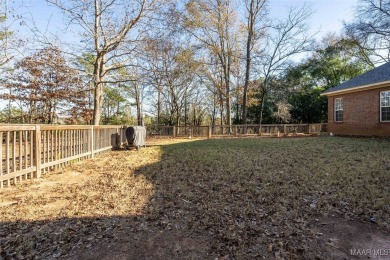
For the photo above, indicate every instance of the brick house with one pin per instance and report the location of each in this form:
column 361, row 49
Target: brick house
column 361, row 106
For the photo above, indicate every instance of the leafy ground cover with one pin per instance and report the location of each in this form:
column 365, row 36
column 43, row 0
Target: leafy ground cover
column 249, row 198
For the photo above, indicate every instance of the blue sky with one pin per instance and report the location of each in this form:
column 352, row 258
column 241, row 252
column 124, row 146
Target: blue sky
column 328, row 14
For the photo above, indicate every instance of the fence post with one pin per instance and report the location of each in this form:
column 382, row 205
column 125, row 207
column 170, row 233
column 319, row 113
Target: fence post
column 91, row 140
column 123, row 134
column 174, row 132
column 308, row 128
column 38, row 150
column 285, row 129
column 209, row 132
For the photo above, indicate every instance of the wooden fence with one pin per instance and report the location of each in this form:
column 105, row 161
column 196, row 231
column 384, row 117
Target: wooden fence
column 27, row 151
column 236, row 130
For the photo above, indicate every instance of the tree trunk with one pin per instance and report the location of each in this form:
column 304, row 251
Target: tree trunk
column 194, row 115
column 99, row 71
column 49, row 114
column 98, row 103
column 185, row 110
column 228, row 108
column 138, row 103
column 254, row 12
column 221, row 107
column 214, row 110
column 238, row 110
column 139, row 113
column 159, row 105
column 246, row 84
column 227, row 93
column 262, row 107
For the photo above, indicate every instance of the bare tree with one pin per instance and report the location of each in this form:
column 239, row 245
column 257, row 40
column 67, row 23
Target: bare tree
column 286, row 38
column 135, row 87
column 371, row 29
column 155, row 55
column 170, row 66
column 255, row 14
column 214, row 24
column 212, row 77
column 107, row 24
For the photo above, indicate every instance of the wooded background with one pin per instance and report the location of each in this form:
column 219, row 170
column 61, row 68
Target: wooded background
column 185, row 62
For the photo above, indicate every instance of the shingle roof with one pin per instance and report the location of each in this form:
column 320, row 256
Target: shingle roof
column 372, row 77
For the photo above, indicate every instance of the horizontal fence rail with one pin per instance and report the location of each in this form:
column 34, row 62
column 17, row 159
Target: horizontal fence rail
column 27, row 151
column 236, row 130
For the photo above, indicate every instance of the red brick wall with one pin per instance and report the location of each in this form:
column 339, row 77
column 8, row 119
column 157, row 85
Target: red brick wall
column 361, row 114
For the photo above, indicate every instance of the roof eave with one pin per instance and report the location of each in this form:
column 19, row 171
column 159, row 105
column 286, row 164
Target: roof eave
column 356, row 89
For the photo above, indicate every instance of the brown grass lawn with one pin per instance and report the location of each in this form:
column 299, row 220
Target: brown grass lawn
column 245, row 198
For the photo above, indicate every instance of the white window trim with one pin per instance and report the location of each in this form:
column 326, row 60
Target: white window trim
column 335, row 110
column 380, row 106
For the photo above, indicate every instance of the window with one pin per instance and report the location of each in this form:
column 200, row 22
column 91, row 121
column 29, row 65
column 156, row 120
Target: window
column 338, row 110
column 385, row 106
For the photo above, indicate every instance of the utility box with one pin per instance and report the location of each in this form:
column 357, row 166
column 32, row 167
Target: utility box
column 136, row 136
column 115, row 141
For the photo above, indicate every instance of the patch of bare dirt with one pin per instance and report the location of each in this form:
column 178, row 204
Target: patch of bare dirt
column 352, row 239
column 148, row 244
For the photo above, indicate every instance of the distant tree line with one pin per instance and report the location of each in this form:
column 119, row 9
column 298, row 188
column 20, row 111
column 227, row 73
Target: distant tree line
column 188, row 62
